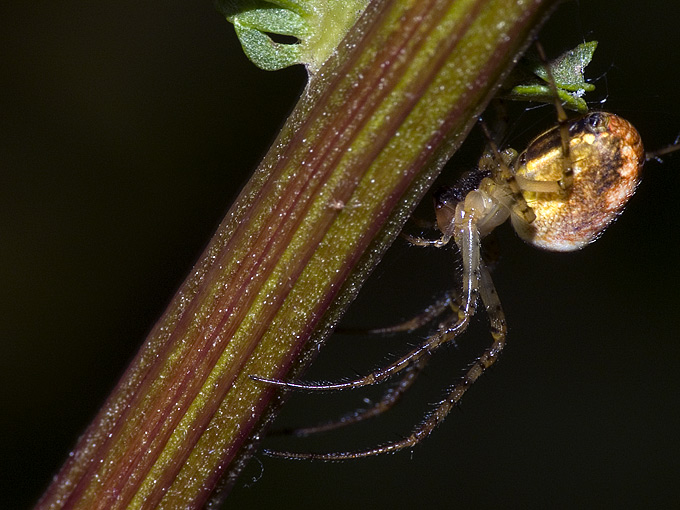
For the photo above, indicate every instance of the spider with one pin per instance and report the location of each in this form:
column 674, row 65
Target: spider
column 560, row 194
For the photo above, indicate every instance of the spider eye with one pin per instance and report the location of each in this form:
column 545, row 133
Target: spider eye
column 595, row 121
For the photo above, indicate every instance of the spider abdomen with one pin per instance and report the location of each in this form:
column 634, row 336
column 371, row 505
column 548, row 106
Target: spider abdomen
column 606, row 157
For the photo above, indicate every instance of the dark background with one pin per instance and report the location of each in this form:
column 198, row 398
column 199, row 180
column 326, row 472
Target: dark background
column 126, row 130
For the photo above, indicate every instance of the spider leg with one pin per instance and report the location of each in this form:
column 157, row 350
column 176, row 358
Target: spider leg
column 567, row 179
column 421, row 241
column 477, row 280
column 447, row 301
column 395, row 392
column 473, row 209
column 656, row 155
column 448, row 333
column 519, row 183
column 499, row 167
column 386, row 402
column 516, row 184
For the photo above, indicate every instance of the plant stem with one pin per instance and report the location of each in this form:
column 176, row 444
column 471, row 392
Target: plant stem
column 371, row 132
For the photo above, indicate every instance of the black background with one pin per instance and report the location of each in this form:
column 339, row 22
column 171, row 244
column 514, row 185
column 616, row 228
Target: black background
column 126, row 130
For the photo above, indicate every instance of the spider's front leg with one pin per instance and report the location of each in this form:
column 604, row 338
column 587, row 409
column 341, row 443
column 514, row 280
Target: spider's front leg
column 389, row 398
column 477, row 208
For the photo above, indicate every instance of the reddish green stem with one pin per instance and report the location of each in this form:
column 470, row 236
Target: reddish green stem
column 369, row 135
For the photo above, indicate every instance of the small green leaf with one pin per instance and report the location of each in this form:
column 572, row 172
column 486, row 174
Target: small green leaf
column 263, row 51
column 318, row 26
column 567, row 71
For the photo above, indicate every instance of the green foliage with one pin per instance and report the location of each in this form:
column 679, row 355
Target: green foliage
column 531, row 82
column 317, row 25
